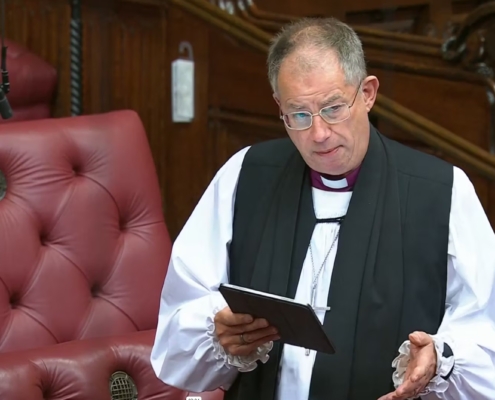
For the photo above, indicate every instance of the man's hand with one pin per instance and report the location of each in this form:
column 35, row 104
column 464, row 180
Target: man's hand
column 421, row 369
column 239, row 334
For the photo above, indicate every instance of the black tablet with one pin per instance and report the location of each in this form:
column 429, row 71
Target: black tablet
column 297, row 323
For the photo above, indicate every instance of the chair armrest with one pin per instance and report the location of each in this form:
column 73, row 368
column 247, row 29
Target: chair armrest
column 81, row 370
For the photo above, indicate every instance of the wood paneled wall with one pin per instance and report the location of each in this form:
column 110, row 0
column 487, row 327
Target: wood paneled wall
column 43, row 27
column 128, row 50
column 431, row 17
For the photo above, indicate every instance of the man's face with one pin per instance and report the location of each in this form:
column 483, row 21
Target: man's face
column 309, row 82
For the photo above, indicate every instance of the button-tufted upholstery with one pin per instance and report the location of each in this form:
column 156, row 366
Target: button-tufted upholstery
column 83, row 242
column 84, row 251
column 80, row 370
column 32, row 84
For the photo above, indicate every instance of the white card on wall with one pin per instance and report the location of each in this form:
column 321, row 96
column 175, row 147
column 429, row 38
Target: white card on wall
column 182, row 90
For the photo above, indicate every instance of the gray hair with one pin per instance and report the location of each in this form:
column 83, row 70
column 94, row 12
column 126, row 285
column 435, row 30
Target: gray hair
column 320, row 34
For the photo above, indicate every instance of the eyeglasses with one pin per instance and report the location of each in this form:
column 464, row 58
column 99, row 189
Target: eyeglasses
column 302, row 120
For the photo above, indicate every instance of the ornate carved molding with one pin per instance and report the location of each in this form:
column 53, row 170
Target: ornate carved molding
column 472, row 45
column 412, row 123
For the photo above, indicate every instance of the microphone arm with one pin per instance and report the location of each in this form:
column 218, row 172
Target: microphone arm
column 5, row 109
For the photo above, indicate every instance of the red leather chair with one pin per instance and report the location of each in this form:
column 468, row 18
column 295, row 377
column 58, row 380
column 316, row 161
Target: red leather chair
column 32, row 84
column 83, row 254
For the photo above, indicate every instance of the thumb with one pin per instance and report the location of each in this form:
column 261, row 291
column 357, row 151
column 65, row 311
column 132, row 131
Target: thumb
column 420, row 339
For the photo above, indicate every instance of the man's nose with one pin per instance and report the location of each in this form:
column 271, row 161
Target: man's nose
column 320, row 130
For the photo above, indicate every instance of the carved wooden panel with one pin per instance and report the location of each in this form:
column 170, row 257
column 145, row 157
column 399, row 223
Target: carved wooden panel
column 125, row 63
column 238, row 77
column 404, row 20
column 128, row 50
column 459, row 107
column 427, row 17
column 324, row 7
column 233, row 131
column 127, row 54
column 187, row 146
column 43, row 27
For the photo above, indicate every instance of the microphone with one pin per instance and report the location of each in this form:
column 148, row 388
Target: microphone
column 5, row 109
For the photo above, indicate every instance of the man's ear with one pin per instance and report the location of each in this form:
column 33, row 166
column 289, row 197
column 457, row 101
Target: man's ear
column 369, row 87
column 277, row 100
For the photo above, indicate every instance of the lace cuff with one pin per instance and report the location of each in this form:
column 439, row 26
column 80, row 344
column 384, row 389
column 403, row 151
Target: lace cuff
column 242, row 363
column 445, row 364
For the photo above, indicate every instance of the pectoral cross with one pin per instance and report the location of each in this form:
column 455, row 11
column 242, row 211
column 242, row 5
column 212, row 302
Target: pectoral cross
column 313, row 302
column 313, row 295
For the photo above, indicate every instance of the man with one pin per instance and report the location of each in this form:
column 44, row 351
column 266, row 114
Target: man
column 394, row 241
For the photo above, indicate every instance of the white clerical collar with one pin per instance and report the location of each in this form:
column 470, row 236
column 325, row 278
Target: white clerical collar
column 335, row 184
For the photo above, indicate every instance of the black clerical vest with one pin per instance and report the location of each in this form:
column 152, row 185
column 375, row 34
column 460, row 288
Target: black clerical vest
column 389, row 276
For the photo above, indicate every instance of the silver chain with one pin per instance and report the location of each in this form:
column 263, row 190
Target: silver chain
column 315, row 277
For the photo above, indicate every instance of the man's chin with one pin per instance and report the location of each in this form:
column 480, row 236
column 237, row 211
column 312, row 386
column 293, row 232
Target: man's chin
column 329, row 168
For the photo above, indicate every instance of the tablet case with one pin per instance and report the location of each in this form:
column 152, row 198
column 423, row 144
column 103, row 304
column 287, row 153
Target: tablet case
column 297, row 323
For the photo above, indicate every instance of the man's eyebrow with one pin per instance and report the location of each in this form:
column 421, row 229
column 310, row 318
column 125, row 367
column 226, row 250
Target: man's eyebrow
column 331, row 99
column 295, row 106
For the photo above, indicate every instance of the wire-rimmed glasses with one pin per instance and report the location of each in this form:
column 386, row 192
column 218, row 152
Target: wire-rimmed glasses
column 333, row 114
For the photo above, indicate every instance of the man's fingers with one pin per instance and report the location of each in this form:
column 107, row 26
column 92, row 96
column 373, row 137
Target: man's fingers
column 425, row 367
column 398, row 396
column 223, row 329
column 249, row 338
column 262, row 341
column 420, row 339
column 420, row 369
column 419, row 373
column 228, row 318
column 258, row 323
column 390, row 396
column 410, row 388
column 255, row 332
column 254, row 336
column 244, row 321
column 246, row 349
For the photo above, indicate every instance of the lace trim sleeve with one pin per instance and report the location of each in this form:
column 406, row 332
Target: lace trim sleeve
column 439, row 383
column 242, row 363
